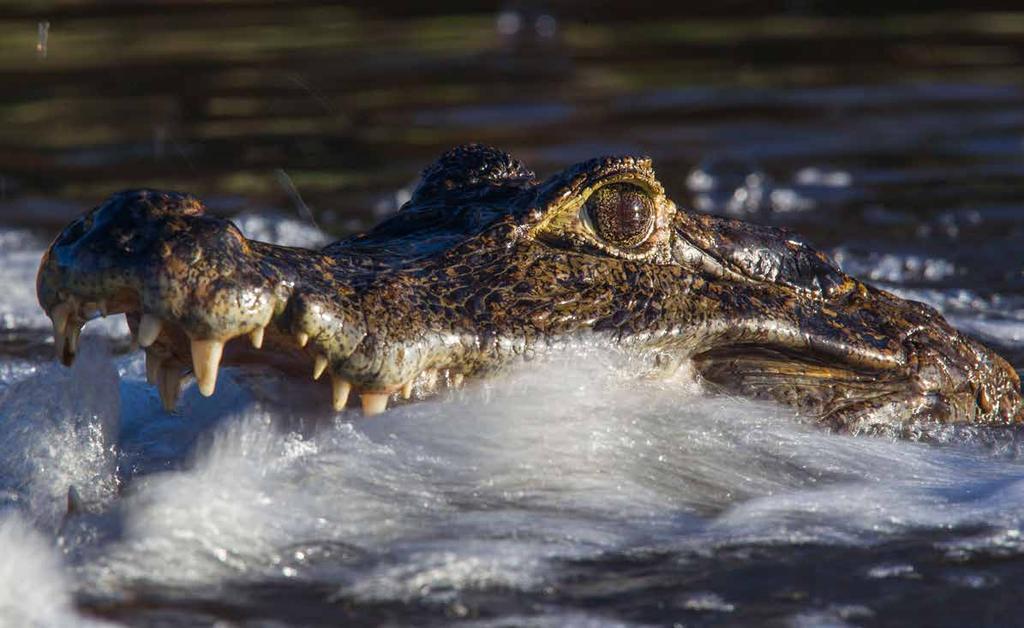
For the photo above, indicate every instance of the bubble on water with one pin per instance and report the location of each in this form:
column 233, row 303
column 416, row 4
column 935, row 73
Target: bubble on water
column 788, row 200
column 509, row 22
column 893, row 267
column 546, row 25
column 707, row 601
column 814, row 175
column 893, row 570
column 833, row 616
column 730, row 186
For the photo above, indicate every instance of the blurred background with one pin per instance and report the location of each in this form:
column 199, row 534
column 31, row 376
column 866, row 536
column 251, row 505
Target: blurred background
column 837, row 115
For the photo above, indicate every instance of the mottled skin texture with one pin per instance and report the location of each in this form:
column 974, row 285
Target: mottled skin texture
column 484, row 268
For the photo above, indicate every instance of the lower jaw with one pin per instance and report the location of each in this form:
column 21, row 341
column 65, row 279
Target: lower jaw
column 284, row 354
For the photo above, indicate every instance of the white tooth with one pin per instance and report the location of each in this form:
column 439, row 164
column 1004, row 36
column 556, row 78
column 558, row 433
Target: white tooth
column 430, row 379
column 302, row 338
column 152, row 368
column 69, row 346
column 256, row 336
column 149, row 329
column 457, row 380
column 339, row 393
column 169, row 387
column 59, row 338
column 60, row 315
column 374, row 403
column 318, row 366
column 407, row 390
column 205, row 361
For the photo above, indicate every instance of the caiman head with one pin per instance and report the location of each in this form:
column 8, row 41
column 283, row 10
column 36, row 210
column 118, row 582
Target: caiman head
column 485, row 267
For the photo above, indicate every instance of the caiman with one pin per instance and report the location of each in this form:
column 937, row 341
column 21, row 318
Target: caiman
column 485, row 267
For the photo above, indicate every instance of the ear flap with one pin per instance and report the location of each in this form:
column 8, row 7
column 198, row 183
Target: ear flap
column 472, row 169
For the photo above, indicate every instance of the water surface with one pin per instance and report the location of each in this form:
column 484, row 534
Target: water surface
column 559, row 495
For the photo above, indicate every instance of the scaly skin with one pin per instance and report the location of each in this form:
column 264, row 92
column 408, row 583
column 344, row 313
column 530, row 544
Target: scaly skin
column 485, row 267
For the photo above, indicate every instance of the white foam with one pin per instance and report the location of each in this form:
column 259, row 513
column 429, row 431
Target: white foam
column 494, row 488
column 59, row 430
column 35, row 589
column 491, row 489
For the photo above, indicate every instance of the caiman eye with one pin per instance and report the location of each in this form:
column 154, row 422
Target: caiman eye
column 621, row 214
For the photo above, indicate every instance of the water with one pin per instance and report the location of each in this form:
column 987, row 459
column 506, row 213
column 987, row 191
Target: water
column 566, row 494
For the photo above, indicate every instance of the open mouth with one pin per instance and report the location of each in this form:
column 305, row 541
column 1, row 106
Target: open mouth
column 197, row 295
column 173, row 356
column 454, row 287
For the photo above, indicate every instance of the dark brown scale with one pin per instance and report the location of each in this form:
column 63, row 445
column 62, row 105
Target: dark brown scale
column 469, row 277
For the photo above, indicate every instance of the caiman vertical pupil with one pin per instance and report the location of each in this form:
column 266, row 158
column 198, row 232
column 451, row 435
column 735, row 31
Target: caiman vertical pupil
column 621, row 214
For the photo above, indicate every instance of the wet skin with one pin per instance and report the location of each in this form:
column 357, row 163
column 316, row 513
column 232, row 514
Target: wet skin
column 485, row 268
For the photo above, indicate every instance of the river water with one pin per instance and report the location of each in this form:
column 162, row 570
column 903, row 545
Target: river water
column 565, row 494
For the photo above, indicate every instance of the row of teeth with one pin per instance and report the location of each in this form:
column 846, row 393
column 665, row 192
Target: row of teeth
column 206, row 357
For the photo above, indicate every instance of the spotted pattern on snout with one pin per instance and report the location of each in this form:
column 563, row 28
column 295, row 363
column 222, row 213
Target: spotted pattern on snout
column 486, row 267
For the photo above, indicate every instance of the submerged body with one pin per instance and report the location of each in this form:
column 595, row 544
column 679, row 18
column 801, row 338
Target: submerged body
column 485, row 267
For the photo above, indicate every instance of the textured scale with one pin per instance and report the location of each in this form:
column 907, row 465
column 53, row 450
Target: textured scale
column 486, row 268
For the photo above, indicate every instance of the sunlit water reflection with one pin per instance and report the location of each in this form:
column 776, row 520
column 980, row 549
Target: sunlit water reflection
column 562, row 494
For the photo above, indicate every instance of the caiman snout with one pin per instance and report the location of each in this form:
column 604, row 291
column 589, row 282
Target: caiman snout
column 196, row 292
column 957, row 378
column 485, row 267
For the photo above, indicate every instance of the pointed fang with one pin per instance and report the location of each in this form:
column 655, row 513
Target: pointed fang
column 407, row 390
column 60, row 315
column 169, row 387
column 318, row 366
column 430, row 380
column 152, row 368
column 67, row 344
column 374, row 403
column 340, row 389
column 149, row 329
column 302, row 338
column 75, row 506
column 205, row 361
column 59, row 340
column 256, row 336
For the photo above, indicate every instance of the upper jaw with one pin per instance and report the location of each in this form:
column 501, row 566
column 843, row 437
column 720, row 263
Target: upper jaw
column 195, row 291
